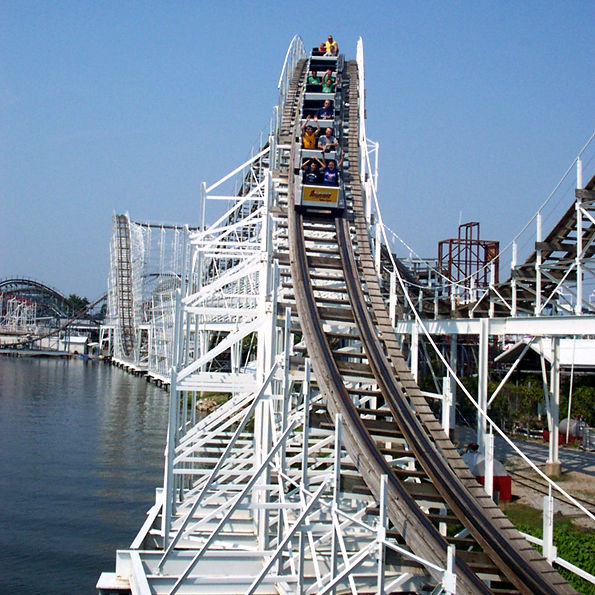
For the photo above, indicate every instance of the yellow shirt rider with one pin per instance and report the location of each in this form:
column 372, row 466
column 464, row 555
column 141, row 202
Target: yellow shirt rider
column 331, row 47
column 309, row 135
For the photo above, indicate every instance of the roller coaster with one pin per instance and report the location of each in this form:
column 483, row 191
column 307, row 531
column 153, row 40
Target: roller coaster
column 50, row 302
column 146, row 262
column 325, row 470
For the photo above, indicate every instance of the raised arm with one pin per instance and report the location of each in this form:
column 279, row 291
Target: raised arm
column 307, row 122
column 318, row 129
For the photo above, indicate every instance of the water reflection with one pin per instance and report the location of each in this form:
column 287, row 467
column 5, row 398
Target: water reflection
column 81, row 452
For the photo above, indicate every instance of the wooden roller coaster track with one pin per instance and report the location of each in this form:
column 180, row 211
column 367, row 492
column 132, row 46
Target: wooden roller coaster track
column 124, row 290
column 491, row 556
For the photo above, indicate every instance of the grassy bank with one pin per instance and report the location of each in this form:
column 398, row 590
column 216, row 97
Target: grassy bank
column 575, row 544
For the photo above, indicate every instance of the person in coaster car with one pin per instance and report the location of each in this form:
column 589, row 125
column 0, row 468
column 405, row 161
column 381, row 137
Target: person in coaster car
column 314, row 79
column 311, row 169
column 309, row 135
column 327, row 111
column 331, row 48
column 329, row 82
column 330, row 174
column 327, row 142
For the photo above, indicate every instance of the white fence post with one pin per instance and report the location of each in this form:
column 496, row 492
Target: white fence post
column 488, row 462
column 550, row 551
column 449, row 581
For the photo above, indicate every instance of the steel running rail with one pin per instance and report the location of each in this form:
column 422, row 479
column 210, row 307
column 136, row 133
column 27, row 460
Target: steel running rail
column 512, row 558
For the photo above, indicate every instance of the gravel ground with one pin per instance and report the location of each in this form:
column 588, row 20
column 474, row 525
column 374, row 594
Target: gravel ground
column 580, row 485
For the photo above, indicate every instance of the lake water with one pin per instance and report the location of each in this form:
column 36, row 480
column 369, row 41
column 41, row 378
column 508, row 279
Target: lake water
column 81, row 452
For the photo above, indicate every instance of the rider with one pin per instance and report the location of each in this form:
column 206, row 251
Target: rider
column 314, row 79
column 309, row 135
column 329, row 82
column 327, row 142
column 331, row 47
column 327, row 111
column 311, row 169
column 330, row 174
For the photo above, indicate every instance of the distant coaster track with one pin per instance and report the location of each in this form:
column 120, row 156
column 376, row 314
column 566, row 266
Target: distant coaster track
column 124, row 288
column 50, row 301
column 556, row 256
column 29, row 339
column 492, row 556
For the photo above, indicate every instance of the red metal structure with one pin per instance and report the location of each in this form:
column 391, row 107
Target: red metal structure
column 467, row 257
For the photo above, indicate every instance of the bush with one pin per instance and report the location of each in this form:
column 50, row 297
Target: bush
column 574, row 545
column 578, row 548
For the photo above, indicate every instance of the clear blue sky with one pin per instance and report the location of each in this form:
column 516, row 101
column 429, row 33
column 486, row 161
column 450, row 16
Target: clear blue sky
column 109, row 106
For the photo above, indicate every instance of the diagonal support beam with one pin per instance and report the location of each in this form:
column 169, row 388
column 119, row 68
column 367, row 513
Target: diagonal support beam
column 232, row 338
column 287, row 538
column 233, row 508
column 222, row 460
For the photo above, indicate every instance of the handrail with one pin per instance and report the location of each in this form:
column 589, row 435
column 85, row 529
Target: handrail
column 295, row 52
column 295, row 43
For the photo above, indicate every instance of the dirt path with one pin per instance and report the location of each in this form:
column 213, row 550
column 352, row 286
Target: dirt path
column 579, row 485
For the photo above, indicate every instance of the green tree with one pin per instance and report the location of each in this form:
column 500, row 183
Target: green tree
column 583, row 399
column 78, row 303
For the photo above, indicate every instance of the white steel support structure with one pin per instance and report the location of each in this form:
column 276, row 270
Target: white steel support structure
column 146, row 264
column 561, row 317
column 482, row 379
column 253, row 498
column 256, row 494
